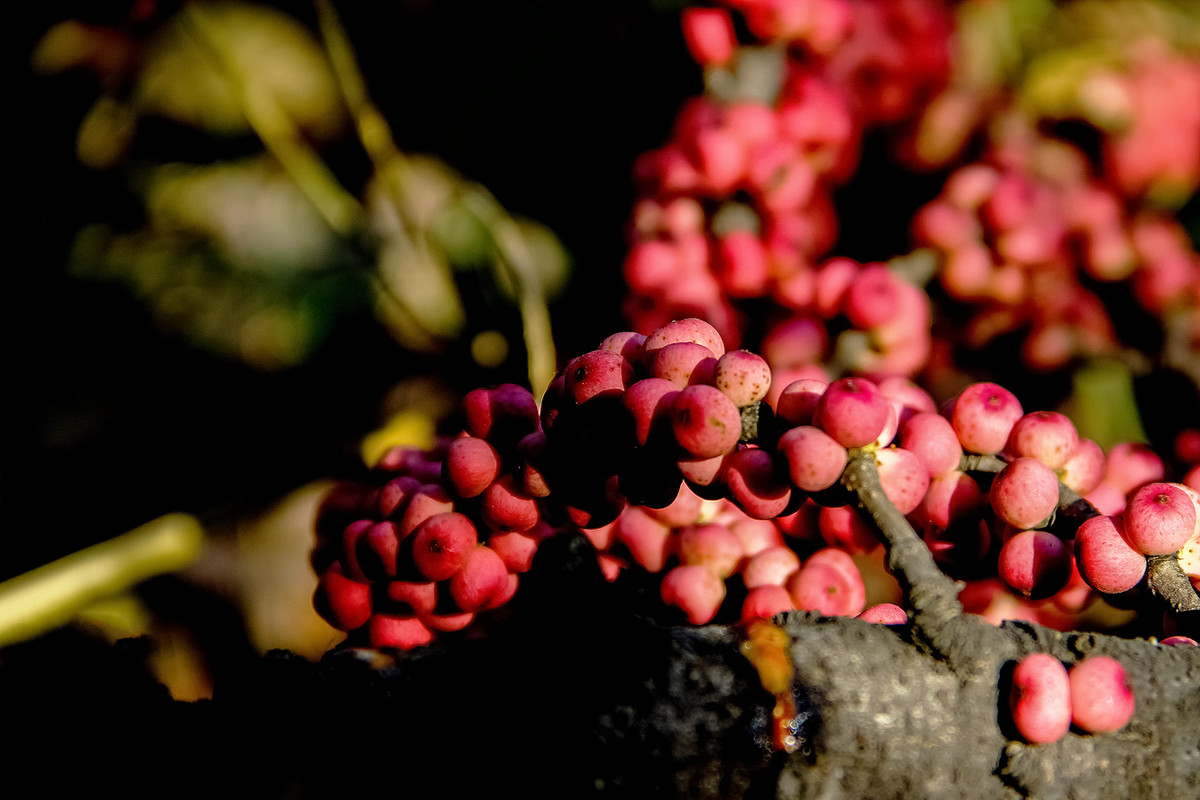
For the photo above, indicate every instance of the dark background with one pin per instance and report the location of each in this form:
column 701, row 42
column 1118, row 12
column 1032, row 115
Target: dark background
column 109, row 421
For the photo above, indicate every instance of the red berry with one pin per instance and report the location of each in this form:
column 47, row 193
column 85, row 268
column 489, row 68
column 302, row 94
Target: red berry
column 442, row 544
column 1101, row 696
column 1040, row 699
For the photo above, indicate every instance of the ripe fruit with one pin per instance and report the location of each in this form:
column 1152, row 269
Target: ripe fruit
column 442, row 544
column 814, row 459
column 1041, row 698
column 1035, row 563
column 983, row 417
column 1105, row 559
column 1101, row 696
column 853, row 411
column 1159, row 519
column 697, row 590
column 483, row 575
column 885, row 614
column 1025, row 493
column 705, row 421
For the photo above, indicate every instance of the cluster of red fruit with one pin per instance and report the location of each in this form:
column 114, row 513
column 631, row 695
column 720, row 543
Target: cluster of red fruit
column 739, row 203
column 665, row 452
column 1028, row 233
column 437, row 536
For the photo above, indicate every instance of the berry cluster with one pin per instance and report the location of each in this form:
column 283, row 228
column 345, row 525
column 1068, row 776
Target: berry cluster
column 739, row 203
column 436, row 537
column 1046, row 699
column 665, row 451
column 1032, row 243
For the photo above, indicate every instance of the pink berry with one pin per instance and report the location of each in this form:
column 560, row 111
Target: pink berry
column 983, row 417
column 709, row 35
column 774, row 565
column 1040, row 699
column 705, row 421
column 506, row 507
column 1105, row 559
column 710, row 545
column 931, row 437
column 412, row 597
column 483, row 575
column 764, row 602
column 691, row 329
column 395, row 494
column 502, row 413
column 903, row 476
column 649, row 401
column 885, row 614
column 1084, row 469
column 683, row 363
column 797, row 403
column 1132, row 465
column 950, row 497
column 627, row 344
column 343, row 603
column 596, row 374
column 403, row 632
column 516, row 549
column 1025, row 493
column 1101, row 696
column 424, row 503
column 755, row 484
column 1178, row 641
column 442, row 543
column 829, row 582
column 843, row 527
column 814, row 459
column 743, row 376
column 853, row 411
column 697, row 590
column 1159, row 519
column 1035, row 563
column 471, row 464
column 1048, row 436
column 646, row 539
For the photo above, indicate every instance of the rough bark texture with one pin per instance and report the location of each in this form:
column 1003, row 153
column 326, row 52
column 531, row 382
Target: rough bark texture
column 572, row 696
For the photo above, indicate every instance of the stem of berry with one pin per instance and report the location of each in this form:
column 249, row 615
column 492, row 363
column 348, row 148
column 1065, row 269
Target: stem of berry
column 1164, row 577
column 939, row 624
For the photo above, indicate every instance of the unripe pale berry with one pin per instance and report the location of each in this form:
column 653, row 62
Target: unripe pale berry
column 1101, row 696
column 1040, row 699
